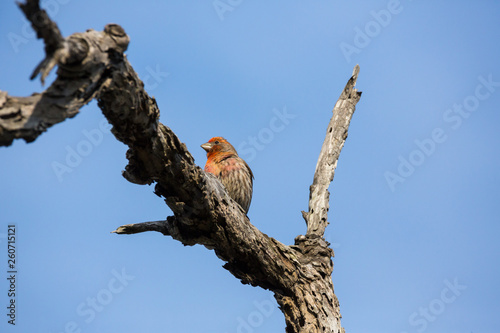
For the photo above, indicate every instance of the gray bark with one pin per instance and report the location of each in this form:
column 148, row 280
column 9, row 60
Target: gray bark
column 92, row 65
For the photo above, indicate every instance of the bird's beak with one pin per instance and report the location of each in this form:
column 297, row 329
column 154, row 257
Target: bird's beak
column 207, row 146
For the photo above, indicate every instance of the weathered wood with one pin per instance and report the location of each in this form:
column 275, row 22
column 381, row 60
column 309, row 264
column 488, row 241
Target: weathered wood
column 91, row 65
column 46, row 29
column 83, row 64
column 336, row 134
column 313, row 302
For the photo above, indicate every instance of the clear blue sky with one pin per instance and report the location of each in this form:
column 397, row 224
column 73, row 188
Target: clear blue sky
column 414, row 204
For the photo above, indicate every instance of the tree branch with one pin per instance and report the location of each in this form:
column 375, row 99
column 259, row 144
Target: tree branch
column 92, row 66
column 47, row 30
column 336, row 134
column 129, row 229
column 83, row 64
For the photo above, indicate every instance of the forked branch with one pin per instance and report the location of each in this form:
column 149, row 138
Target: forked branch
column 92, row 65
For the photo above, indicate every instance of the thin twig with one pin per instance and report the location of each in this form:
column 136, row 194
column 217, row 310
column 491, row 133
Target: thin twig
column 136, row 228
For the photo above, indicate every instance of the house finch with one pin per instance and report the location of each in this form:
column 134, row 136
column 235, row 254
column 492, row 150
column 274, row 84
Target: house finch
column 233, row 172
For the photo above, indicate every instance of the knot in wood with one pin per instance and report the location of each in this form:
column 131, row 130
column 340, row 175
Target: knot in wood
column 114, row 30
column 117, row 33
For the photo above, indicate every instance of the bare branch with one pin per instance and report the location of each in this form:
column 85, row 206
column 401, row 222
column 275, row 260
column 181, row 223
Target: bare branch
column 47, row 30
column 83, row 66
column 336, row 134
column 136, row 228
column 92, row 66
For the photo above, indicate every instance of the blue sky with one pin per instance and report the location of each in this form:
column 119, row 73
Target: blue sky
column 414, row 203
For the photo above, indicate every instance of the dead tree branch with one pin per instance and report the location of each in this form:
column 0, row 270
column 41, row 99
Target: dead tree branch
column 79, row 77
column 92, row 65
column 336, row 134
column 135, row 228
column 46, row 29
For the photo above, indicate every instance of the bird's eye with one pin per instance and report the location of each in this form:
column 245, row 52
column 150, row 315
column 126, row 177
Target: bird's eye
column 216, row 142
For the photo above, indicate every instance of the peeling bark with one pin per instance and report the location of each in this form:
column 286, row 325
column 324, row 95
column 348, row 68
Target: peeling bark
column 91, row 65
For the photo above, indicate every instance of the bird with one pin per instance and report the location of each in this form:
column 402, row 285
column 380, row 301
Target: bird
column 233, row 172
